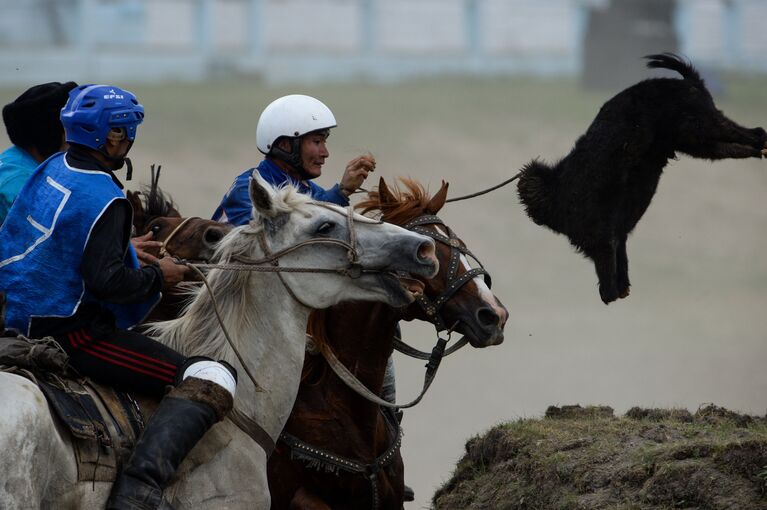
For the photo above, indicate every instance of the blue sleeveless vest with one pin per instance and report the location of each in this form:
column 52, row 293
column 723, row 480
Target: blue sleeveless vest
column 42, row 243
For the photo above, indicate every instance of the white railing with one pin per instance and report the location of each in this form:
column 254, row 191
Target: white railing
column 318, row 40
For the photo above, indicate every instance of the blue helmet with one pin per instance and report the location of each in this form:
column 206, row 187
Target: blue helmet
column 92, row 110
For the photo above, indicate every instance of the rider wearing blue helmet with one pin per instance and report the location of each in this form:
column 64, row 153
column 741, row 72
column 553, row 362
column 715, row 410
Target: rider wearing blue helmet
column 69, row 271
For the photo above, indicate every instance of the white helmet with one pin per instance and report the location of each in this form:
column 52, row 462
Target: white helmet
column 291, row 116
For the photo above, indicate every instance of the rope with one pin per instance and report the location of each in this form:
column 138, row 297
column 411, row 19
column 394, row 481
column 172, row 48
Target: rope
column 223, row 328
column 488, row 190
column 164, row 245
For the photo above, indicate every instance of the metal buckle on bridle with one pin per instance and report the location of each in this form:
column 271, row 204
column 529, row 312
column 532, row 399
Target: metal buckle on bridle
column 438, row 351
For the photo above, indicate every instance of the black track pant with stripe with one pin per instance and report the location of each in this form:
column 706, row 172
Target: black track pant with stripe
column 126, row 360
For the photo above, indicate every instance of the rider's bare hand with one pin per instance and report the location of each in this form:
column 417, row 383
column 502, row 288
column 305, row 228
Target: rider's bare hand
column 143, row 245
column 356, row 172
column 172, row 273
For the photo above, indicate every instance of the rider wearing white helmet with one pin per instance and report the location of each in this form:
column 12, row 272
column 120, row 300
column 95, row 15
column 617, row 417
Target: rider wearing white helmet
column 292, row 133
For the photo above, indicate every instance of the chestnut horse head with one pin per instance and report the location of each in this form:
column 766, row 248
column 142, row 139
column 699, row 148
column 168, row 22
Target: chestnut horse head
column 459, row 297
column 337, row 450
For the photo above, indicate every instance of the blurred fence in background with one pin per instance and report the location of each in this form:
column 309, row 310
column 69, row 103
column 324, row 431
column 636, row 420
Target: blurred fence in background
column 335, row 40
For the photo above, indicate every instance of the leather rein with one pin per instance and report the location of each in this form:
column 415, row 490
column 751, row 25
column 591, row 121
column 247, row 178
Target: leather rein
column 432, row 308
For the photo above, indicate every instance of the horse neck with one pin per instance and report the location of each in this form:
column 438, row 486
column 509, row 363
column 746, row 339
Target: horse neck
column 268, row 328
column 361, row 335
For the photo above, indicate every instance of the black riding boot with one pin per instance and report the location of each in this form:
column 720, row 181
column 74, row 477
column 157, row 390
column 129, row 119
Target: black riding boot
column 181, row 419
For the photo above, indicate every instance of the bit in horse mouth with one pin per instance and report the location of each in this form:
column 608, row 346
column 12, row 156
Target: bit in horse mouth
column 409, row 283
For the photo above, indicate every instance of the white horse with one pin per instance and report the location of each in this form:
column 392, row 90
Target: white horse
column 266, row 316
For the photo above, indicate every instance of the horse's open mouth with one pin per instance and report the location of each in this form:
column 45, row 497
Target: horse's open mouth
column 410, row 284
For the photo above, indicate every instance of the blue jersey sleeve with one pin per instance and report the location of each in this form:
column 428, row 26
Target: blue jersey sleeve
column 235, row 208
column 332, row 195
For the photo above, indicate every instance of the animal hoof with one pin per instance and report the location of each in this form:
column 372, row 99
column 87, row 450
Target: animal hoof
column 608, row 296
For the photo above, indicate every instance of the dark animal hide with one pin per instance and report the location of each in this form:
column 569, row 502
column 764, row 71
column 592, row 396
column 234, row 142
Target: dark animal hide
column 596, row 194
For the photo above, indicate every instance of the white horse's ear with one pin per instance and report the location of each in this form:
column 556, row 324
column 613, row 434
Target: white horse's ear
column 261, row 196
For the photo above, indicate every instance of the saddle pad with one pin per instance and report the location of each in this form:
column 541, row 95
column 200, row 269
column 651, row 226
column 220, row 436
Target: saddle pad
column 104, row 425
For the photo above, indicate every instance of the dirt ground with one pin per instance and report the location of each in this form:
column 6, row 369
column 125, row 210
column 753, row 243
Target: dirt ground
column 693, row 330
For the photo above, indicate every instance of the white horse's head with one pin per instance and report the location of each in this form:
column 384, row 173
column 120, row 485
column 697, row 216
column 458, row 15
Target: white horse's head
column 383, row 252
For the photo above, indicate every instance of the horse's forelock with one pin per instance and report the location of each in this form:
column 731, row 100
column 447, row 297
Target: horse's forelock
column 157, row 203
column 409, row 202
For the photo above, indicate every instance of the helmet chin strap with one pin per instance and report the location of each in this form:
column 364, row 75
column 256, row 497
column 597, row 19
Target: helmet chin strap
column 292, row 158
column 120, row 161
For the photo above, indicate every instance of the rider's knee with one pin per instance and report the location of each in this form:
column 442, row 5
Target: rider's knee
column 208, row 381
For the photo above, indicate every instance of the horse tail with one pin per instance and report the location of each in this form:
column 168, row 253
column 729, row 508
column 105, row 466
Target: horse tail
column 675, row 63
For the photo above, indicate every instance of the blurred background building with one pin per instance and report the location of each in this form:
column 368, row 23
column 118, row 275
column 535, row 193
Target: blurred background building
column 379, row 40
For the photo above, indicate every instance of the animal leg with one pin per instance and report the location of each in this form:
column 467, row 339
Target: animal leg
column 622, row 270
column 605, row 263
column 305, row 500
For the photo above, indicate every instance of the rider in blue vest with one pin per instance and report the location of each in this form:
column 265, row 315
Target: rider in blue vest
column 69, row 271
column 33, row 126
column 292, row 133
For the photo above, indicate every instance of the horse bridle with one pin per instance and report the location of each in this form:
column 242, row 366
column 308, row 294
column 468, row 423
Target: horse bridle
column 164, row 246
column 433, row 307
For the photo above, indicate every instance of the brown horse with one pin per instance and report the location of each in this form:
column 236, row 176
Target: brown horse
column 191, row 238
column 338, row 450
column 188, row 238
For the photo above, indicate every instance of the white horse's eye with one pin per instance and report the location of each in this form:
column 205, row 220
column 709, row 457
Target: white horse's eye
column 326, row 228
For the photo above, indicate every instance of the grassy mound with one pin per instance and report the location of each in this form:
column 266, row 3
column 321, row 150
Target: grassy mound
column 585, row 458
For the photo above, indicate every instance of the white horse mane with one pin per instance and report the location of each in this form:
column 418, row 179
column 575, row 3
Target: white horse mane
column 197, row 331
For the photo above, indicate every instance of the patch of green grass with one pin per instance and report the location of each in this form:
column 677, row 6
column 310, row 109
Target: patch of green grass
column 605, row 463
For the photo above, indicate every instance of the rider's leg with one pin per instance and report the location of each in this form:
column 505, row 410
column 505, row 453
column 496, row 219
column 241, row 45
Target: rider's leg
column 133, row 362
column 204, row 396
column 126, row 360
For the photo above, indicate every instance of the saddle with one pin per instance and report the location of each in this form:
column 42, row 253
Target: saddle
column 104, row 424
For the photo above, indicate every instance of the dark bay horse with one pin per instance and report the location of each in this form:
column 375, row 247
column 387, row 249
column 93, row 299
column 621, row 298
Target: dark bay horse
column 189, row 238
column 356, row 462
